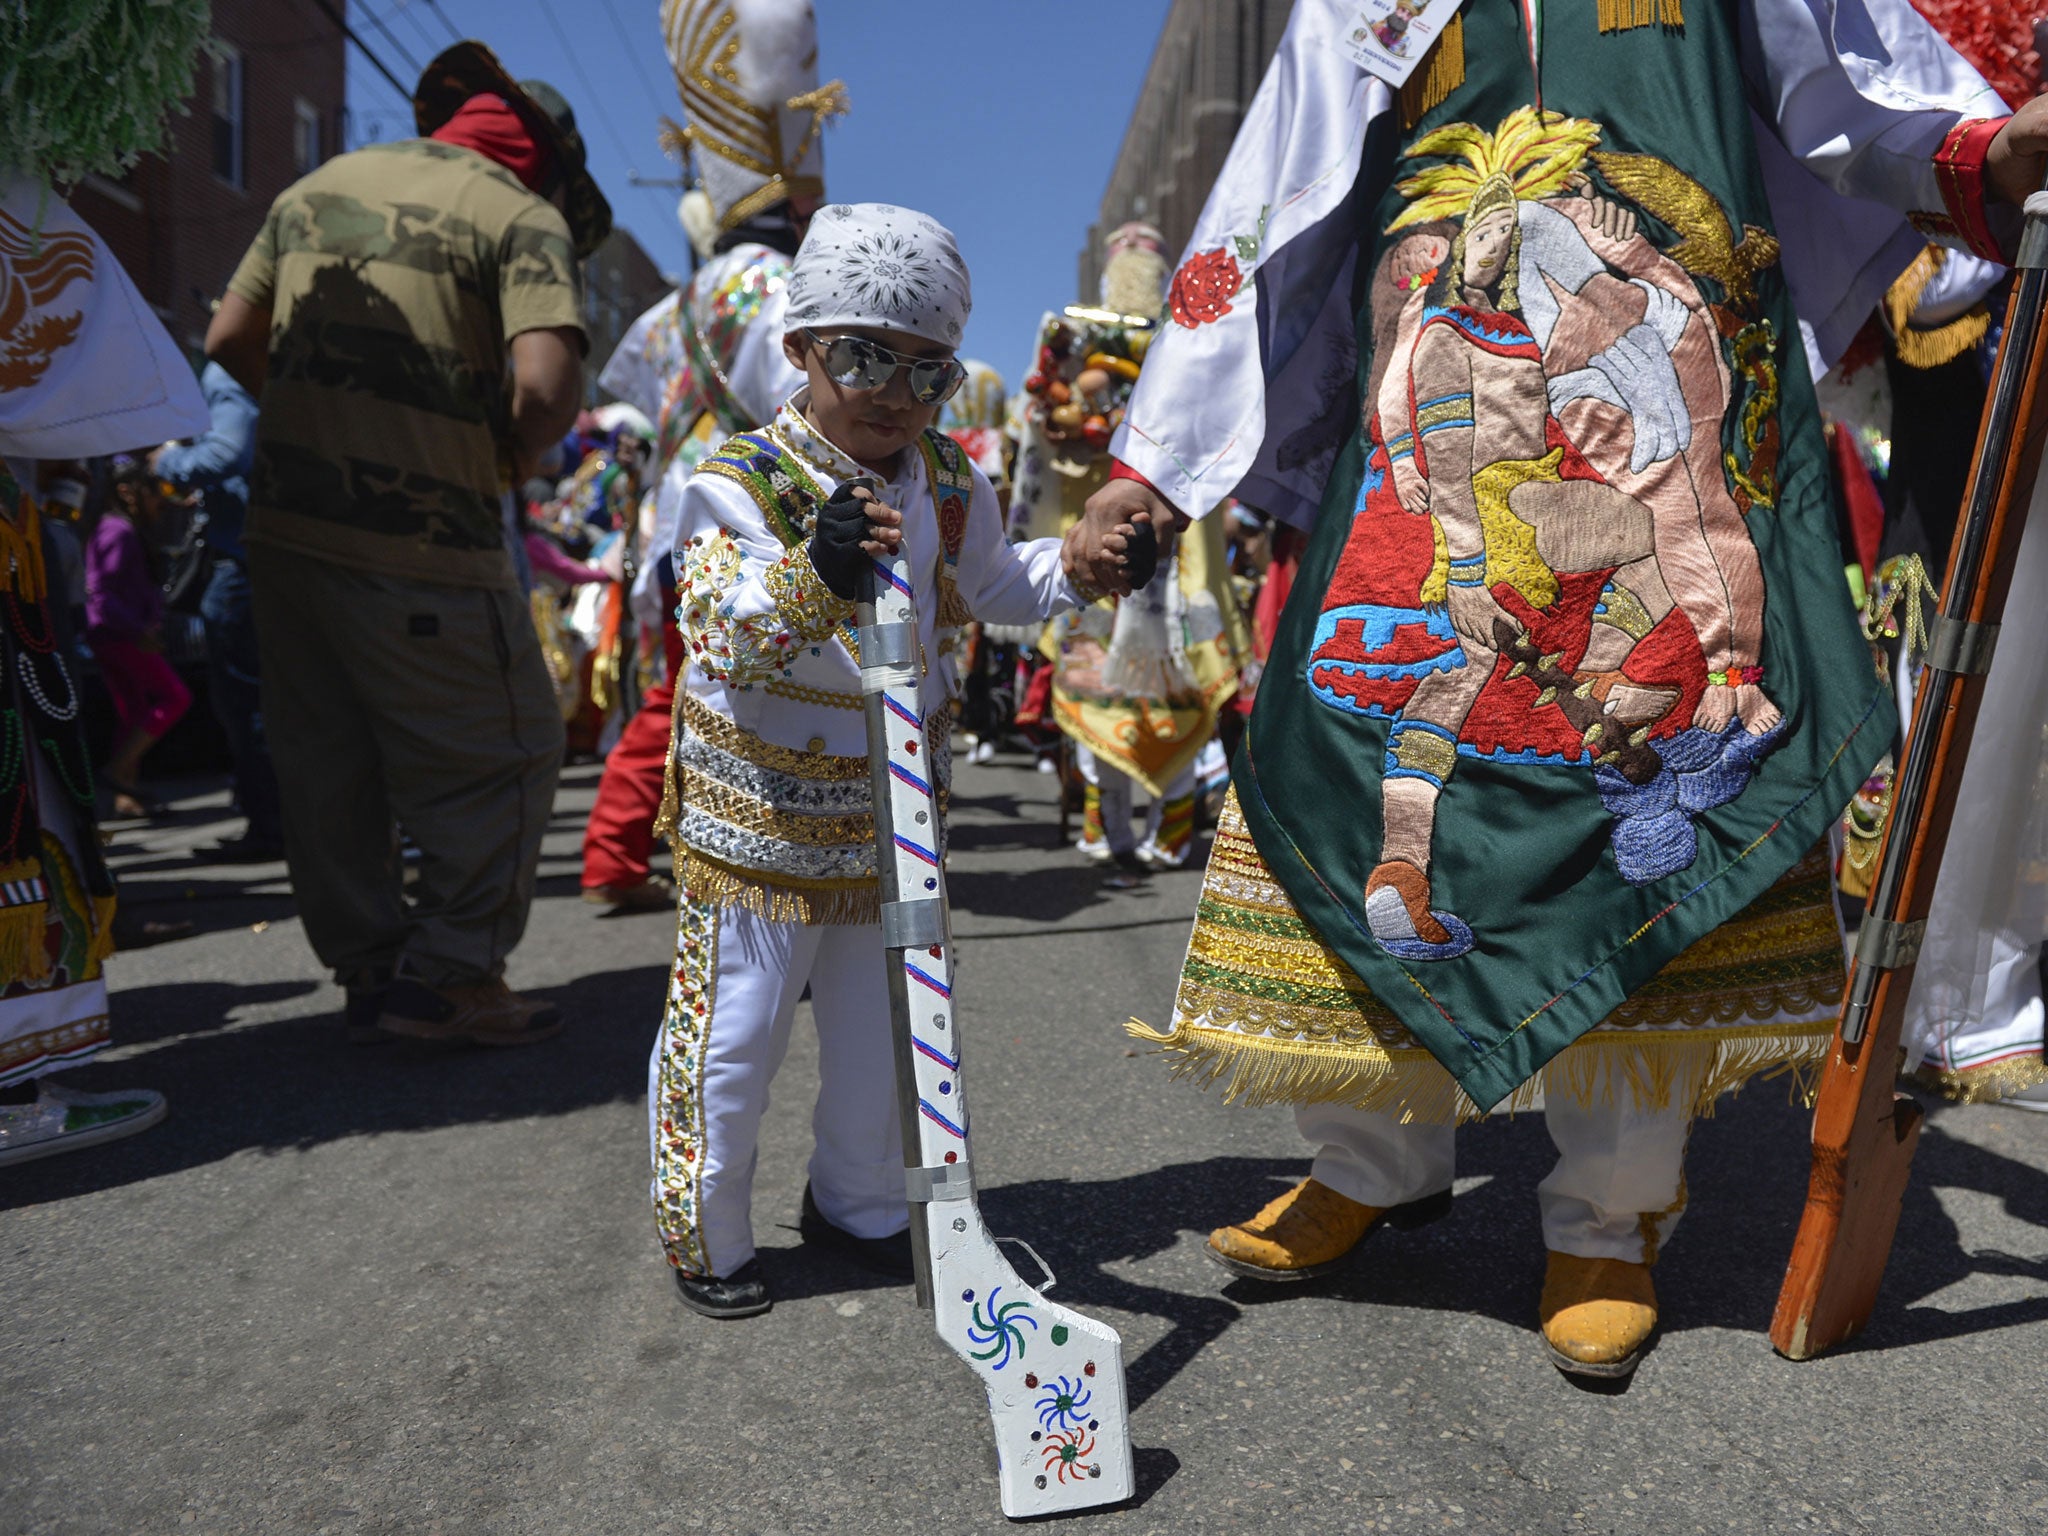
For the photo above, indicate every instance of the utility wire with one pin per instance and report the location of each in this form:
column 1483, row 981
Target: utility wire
column 654, row 96
column 410, row 10
column 453, row 35
column 392, row 38
column 592, row 96
column 362, row 47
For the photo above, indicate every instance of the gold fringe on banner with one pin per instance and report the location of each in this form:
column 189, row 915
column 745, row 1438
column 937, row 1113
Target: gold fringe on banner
column 1656, row 1070
column 1622, row 15
column 1439, row 74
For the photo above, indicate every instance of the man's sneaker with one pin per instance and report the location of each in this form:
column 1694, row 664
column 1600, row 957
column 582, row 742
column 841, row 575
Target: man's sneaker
column 743, row 1293
column 67, row 1120
column 888, row 1256
column 653, row 894
column 482, row 1013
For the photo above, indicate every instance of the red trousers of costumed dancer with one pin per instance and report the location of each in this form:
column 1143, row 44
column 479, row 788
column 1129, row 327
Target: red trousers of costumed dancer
column 619, row 840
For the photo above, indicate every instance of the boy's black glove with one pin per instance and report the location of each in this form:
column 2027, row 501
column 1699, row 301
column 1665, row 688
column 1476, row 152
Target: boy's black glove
column 841, row 528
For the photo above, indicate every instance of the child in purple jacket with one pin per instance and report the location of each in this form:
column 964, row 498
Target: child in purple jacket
column 124, row 612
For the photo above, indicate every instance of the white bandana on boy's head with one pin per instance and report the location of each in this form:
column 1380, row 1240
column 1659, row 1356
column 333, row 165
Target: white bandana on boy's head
column 883, row 267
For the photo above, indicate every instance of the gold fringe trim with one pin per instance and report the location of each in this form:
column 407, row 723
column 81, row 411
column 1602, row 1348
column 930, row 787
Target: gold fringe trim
column 779, row 898
column 24, row 942
column 1439, row 74
column 1938, row 344
column 102, row 933
column 1623, row 15
column 1692, row 1067
column 1985, row 1084
column 21, row 552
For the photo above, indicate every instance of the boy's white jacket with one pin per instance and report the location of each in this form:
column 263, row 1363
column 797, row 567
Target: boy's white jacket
column 1850, row 102
column 781, row 679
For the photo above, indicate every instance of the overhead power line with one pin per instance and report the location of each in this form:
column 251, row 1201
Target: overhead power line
column 349, row 32
column 392, row 38
column 654, row 97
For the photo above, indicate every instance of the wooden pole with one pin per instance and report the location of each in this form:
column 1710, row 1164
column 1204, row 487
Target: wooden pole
column 1865, row 1132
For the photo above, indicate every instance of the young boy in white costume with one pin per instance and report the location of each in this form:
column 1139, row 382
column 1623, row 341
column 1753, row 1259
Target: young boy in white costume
column 769, row 808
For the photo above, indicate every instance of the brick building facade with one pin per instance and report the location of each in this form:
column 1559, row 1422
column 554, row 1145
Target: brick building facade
column 1210, row 58
column 262, row 114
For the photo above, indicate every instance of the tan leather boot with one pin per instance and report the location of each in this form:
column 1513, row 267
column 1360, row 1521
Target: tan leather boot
column 1597, row 1314
column 1305, row 1232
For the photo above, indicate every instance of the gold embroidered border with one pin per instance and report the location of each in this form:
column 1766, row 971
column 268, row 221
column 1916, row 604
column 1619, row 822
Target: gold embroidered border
column 679, row 1130
column 58, row 1040
column 737, row 808
column 726, row 734
column 809, row 609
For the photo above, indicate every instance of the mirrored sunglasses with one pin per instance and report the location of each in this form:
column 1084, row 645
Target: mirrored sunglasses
column 854, row 362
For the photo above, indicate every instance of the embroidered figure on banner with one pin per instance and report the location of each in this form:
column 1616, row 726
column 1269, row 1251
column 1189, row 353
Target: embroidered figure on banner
column 1549, row 563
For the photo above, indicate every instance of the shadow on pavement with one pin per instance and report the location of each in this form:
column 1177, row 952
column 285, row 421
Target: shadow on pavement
column 1722, row 1269
column 294, row 1083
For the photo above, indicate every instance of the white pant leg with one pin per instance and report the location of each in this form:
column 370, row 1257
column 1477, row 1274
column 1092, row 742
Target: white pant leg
column 1619, row 1183
column 1371, row 1157
column 734, row 991
column 857, row 1165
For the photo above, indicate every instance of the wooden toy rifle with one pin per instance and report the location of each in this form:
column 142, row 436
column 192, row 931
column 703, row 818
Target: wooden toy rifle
column 1055, row 1379
column 1864, row 1132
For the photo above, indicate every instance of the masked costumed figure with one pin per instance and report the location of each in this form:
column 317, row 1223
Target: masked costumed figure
column 707, row 361
column 1137, row 683
column 1569, row 688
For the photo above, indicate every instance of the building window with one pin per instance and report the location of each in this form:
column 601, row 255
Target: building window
column 306, row 146
column 227, row 113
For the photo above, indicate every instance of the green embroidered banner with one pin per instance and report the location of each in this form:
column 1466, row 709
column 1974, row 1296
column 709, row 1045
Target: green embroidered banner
column 1570, row 674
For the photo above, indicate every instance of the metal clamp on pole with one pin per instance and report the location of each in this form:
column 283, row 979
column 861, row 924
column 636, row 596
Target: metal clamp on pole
column 948, row 1181
column 1957, row 645
column 1885, row 945
column 888, row 656
column 913, row 924
column 2034, row 236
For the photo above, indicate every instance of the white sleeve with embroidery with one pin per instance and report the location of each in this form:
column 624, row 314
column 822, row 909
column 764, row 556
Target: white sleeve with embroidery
column 747, row 603
column 1850, row 104
column 1260, row 317
column 1005, row 583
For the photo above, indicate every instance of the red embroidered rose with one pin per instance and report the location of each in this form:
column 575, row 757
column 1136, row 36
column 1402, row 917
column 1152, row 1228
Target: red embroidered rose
column 1203, row 287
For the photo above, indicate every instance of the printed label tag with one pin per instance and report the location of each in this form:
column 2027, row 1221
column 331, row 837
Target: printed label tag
column 1389, row 38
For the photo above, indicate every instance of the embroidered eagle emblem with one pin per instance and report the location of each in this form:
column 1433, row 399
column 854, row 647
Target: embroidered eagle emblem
column 33, row 272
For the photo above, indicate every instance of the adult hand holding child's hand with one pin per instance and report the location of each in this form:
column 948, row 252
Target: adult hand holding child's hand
column 853, row 525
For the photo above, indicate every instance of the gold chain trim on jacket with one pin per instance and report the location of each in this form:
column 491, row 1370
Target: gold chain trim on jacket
column 726, row 734
column 809, row 609
column 778, row 898
column 782, row 688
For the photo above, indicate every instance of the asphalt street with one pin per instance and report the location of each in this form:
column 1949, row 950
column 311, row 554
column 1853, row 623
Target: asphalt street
column 394, row 1289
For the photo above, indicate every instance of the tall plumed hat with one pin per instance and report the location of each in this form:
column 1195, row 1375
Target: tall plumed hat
column 748, row 74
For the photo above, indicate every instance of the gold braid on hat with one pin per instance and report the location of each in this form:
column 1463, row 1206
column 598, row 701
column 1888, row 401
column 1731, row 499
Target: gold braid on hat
column 703, row 46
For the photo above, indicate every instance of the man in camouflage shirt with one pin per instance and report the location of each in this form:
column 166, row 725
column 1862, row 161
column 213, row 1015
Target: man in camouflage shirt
column 409, row 316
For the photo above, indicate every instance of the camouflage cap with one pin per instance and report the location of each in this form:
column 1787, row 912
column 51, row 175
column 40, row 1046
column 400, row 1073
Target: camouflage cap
column 468, row 69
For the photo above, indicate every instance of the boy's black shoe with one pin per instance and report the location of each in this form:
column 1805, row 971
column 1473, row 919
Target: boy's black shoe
column 888, row 1256
column 743, row 1293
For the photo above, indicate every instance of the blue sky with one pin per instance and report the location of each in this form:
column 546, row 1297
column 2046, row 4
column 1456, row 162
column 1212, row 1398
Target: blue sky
column 1000, row 118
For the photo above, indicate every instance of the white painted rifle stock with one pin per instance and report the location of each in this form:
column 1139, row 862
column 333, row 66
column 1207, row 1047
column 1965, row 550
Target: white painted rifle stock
column 1055, row 1379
